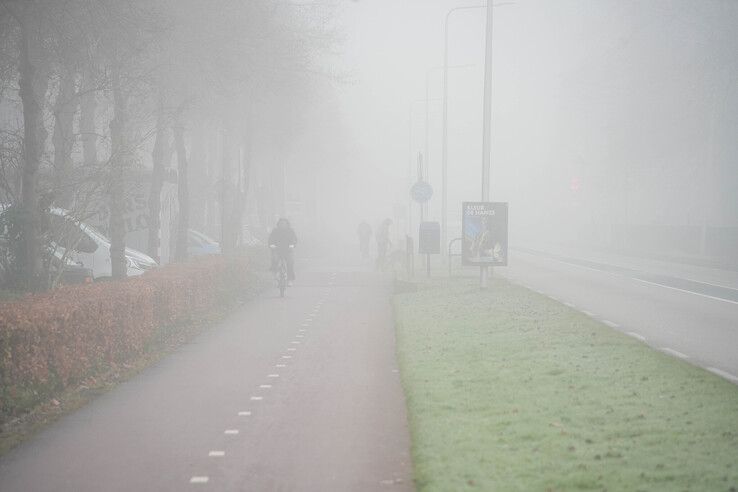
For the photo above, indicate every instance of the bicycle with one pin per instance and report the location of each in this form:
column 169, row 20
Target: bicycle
column 280, row 273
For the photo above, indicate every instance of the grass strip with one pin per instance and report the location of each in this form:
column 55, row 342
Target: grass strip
column 508, row 390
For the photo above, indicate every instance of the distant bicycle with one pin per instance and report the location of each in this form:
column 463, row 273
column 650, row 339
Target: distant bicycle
column 280, row 273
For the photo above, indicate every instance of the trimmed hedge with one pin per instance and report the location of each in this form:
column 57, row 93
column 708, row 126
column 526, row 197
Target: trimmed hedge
column 51, row 341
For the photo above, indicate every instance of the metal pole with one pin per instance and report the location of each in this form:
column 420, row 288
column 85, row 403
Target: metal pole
column 410, row 171
column 420, row 178
column 487, row 115
column 444, row 139
column 426, row 153
column 445, row 67
column 487, row 122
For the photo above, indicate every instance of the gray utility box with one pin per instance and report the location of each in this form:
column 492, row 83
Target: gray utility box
column 429, row 238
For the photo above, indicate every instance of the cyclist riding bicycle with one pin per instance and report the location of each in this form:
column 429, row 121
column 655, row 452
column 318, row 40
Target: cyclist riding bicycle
column 281, row 241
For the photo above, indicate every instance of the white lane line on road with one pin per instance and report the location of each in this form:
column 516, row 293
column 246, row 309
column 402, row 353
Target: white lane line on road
column 295, row 342
column 257, row 398
column 280, row 365
column 675, row 353
column 286, row 356
column 611, row 324
column 723, row 374
column 200, row 479
column 244, row 413
column 653, row 283
column 291, row 349
column 265, row 386
column 216, row 454
column 683, row 290
column 231, row 432
column 635, row 335
column 273, row 376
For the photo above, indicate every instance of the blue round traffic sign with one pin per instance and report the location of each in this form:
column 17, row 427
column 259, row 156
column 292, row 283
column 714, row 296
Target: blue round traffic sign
column 421, row 192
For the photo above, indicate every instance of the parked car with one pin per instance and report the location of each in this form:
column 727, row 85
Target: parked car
column 90, row 248
column 200, row 244
column 71, row 272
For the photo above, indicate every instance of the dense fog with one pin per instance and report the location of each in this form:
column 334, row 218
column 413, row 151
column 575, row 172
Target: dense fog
column 613, row 123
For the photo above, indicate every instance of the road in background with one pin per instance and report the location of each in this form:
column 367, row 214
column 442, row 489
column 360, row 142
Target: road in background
column 301, row 393
column 686, row 311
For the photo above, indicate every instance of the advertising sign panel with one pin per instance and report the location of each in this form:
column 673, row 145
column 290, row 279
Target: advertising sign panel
column 484, row 233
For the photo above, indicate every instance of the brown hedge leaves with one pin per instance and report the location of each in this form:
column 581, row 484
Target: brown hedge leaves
column 53, row 340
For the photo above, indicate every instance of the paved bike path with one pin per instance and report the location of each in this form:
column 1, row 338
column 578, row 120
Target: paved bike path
column 300, row 393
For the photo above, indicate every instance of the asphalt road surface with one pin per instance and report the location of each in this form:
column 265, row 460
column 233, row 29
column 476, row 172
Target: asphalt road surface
column 301, row 393
column 687, row 312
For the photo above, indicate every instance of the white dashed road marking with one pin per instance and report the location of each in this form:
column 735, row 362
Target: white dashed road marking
column 273, row 376
column 231, row 432
column 286, row 356
column 244, row 413
column 257, row 398
column 265, row 386
column 675, row 353
column 199, row 480
column 295, row 342
column 635, row 335
column 216, row 454
column 291, row 349
column 723, row 374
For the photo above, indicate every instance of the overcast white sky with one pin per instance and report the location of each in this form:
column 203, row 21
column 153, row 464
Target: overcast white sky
column 577, row 84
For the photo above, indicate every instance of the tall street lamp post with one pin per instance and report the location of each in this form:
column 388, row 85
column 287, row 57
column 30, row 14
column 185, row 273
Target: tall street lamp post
column 487, row 113
column 445, row 67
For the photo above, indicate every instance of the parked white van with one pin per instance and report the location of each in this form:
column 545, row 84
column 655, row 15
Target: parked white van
column 90, row 248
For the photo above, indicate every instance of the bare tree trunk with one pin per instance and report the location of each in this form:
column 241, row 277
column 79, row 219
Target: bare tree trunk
column 30, row 258
column 118, row 172
column 87, row 130
column 182, row 194
column 197, row 170
column 65, row 107
column 226, row 228
column 160, row 157
column 242, row 191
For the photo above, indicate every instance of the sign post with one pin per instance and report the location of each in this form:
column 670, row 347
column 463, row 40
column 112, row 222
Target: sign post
column 421, row 192
column 484, row 236
column 429, row 241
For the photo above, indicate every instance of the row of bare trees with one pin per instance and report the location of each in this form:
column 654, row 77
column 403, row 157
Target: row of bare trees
column 95, row 93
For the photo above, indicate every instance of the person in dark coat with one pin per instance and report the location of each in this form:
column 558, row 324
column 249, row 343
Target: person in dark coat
column 280, row 240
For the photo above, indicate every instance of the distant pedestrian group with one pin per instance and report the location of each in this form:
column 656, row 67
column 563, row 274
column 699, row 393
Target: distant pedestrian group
column 382, row 237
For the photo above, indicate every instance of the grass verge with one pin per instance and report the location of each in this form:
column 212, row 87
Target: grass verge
column 509, row 390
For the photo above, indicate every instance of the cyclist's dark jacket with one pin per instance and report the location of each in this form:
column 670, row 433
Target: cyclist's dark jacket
column 282, row 239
